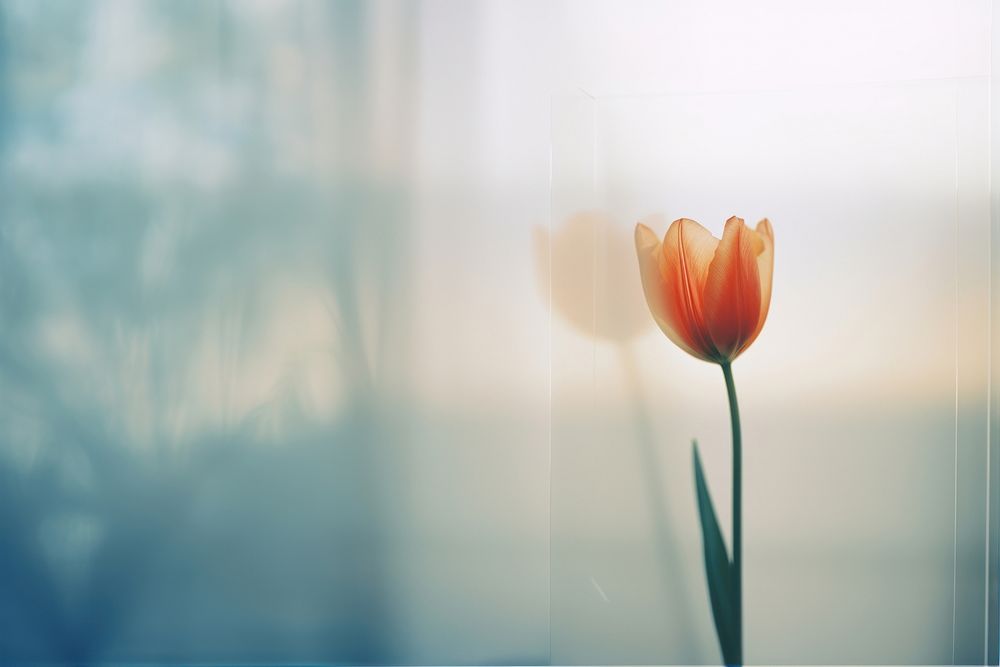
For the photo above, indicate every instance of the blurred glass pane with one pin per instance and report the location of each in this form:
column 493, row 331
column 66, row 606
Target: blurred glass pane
column 864, row 400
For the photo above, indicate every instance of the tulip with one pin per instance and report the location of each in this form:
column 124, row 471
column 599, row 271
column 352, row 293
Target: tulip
column 711, row 298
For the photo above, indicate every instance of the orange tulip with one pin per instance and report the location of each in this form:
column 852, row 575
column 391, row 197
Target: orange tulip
column 710, row 297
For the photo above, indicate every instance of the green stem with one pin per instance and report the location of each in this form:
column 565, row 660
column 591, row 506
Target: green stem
column 734, row 415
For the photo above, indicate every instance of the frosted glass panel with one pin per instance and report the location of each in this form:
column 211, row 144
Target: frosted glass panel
column 864, row 400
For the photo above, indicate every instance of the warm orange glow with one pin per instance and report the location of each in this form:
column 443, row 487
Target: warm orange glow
column 710, row 297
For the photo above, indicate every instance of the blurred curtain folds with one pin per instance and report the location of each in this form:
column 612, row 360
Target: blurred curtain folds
column 214, row 292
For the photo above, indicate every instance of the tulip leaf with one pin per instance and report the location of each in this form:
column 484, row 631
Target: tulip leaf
column 718, row 569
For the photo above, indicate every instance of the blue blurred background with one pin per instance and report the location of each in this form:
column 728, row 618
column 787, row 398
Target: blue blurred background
column 221, row 269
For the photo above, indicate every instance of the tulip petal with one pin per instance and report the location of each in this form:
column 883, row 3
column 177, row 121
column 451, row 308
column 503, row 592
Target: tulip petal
column 765, row 269
column 732, row 294
column 685, row 258
column 649, row 251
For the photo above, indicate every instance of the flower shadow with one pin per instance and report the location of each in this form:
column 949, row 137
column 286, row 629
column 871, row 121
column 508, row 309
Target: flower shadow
column 587, row 267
